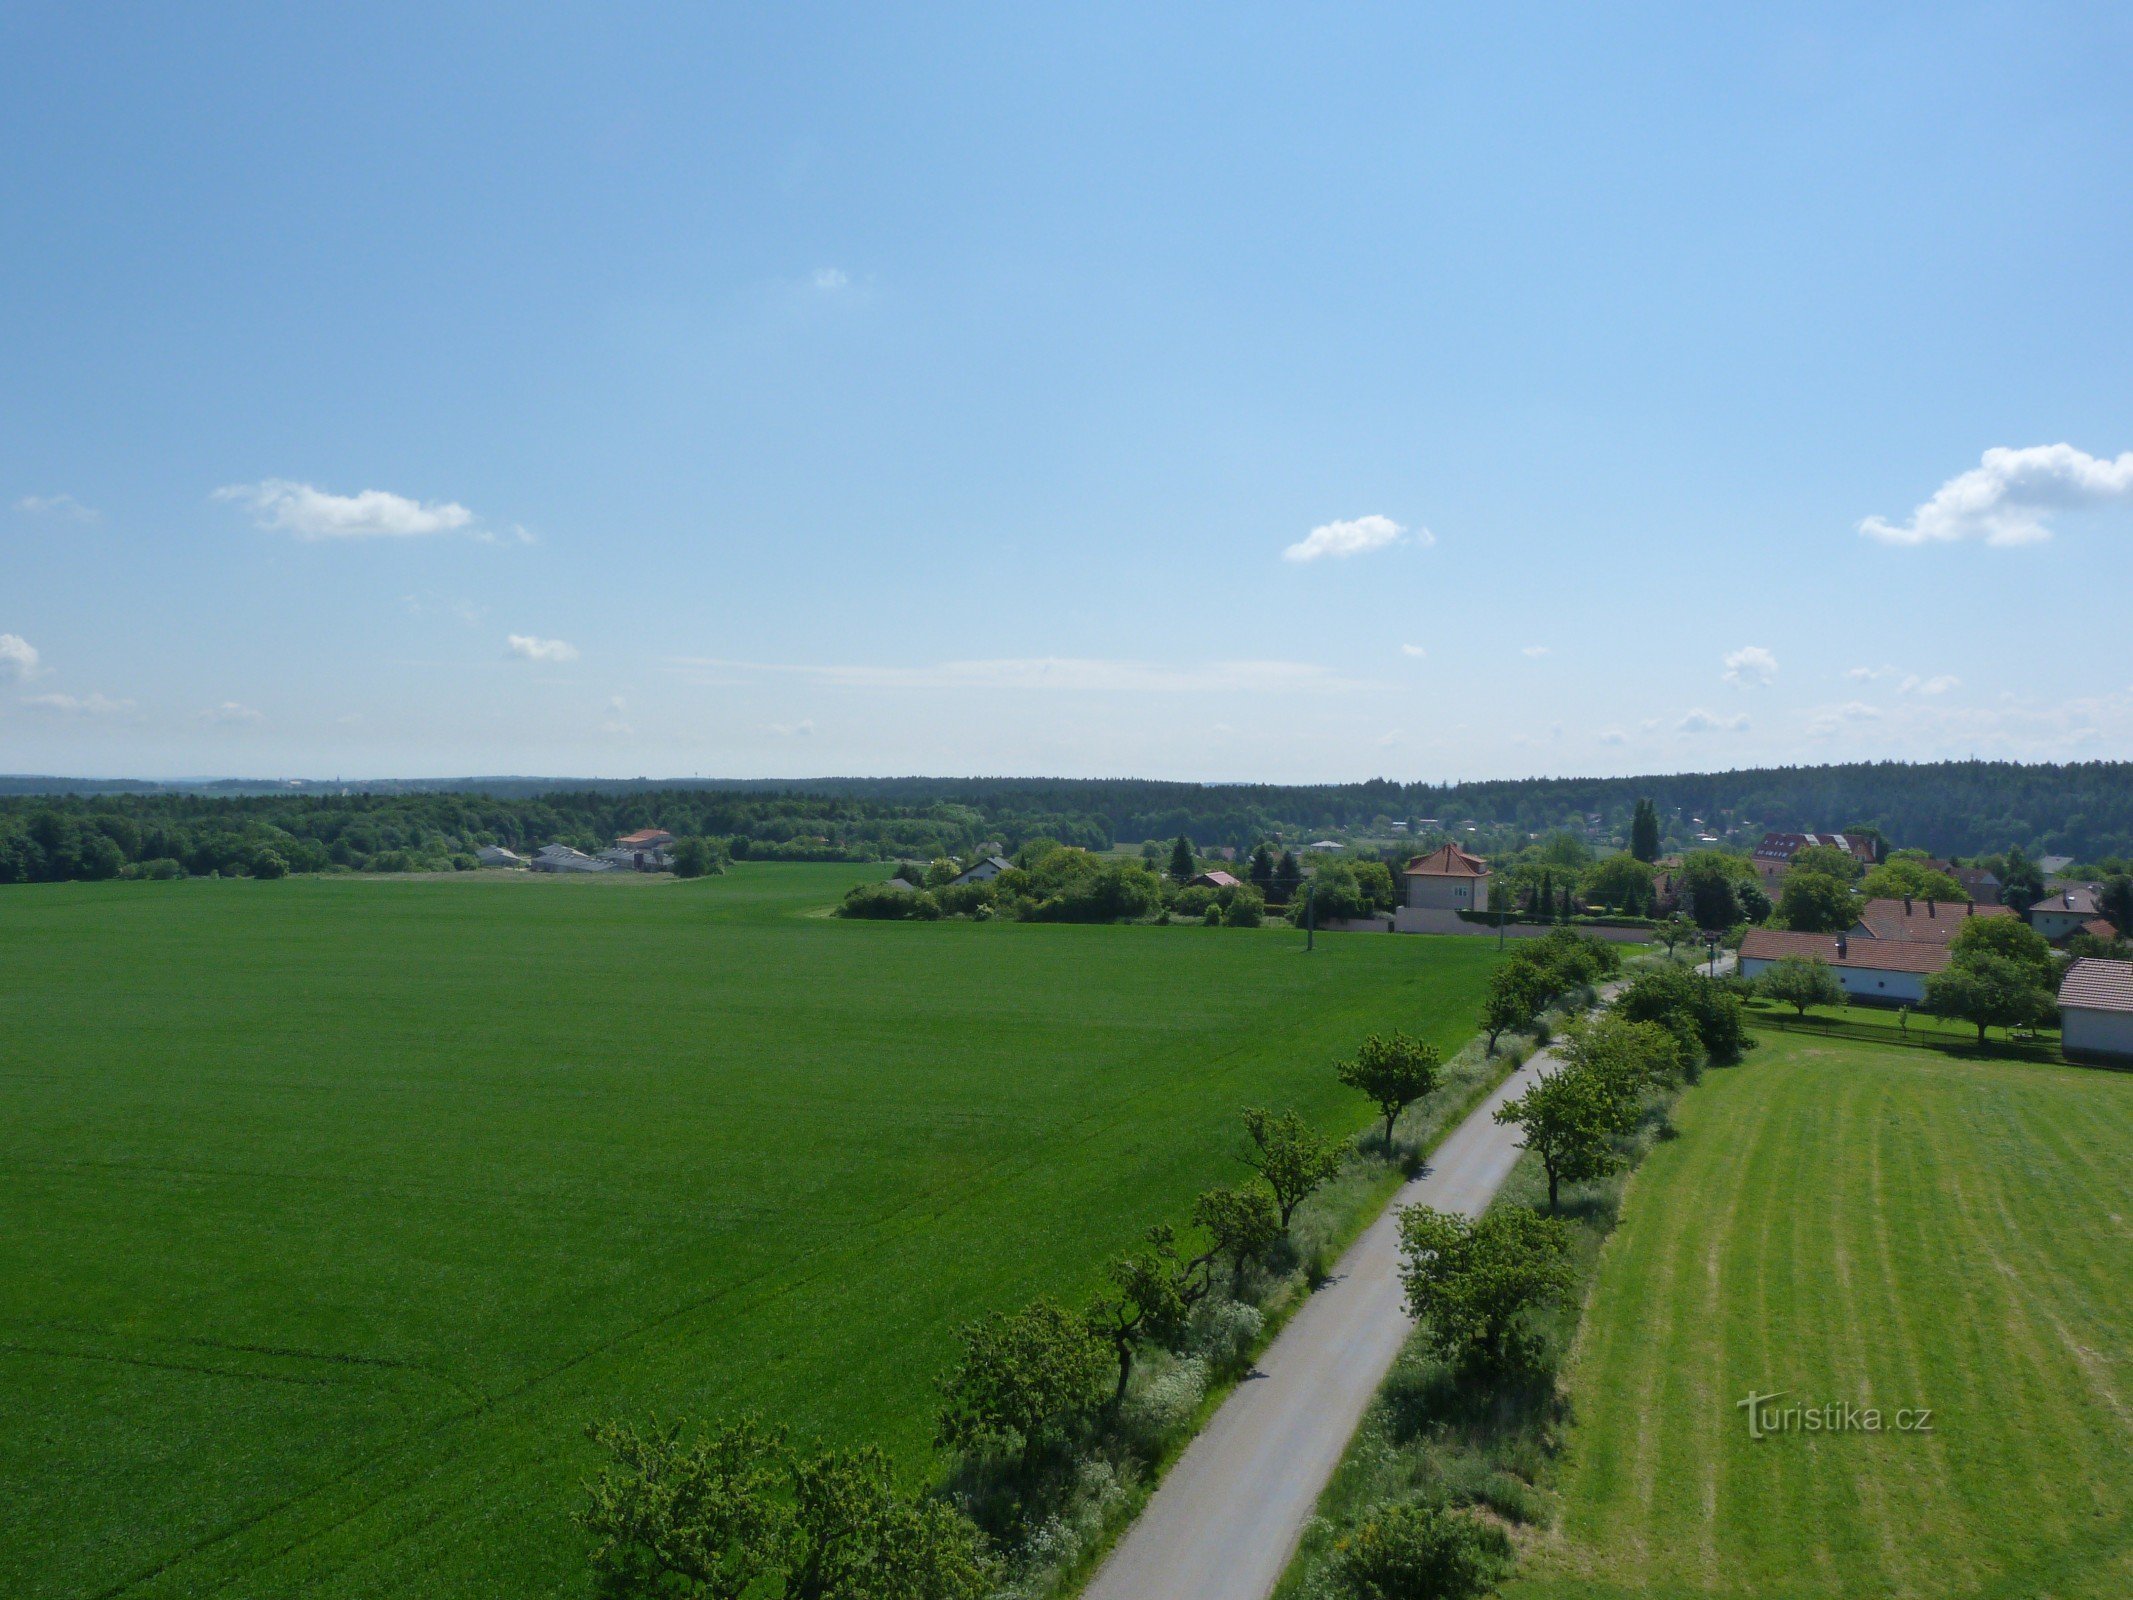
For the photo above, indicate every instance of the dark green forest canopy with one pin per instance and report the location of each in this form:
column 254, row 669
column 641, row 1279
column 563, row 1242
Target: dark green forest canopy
column 50, row 827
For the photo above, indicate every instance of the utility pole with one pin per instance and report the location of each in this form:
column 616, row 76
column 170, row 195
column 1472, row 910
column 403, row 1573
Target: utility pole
column 1310, row 917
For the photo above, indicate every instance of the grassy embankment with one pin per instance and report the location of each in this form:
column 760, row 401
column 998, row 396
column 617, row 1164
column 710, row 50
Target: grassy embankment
column 331, row 1210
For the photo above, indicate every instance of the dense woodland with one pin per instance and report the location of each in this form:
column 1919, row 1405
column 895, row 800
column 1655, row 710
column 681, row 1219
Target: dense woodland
column 63, row 829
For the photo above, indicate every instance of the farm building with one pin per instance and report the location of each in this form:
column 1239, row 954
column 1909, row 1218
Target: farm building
column 495, row 855
column 1930, row 921
column 1448, row 879
column 562, row 858
column 645, row 839
column 2096, row 1009
column 1885, row 971
column 1217, row 879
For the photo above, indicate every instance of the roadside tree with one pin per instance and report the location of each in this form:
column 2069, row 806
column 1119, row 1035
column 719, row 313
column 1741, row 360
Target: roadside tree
column 1293, row 1158
column 1476, row 1285
column 1392, row 1073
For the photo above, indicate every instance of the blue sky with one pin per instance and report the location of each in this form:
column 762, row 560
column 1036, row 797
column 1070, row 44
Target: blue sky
column 439, row 390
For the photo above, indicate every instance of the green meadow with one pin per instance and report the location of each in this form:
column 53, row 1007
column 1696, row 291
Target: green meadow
column 331, row 1210
column 1885, row 1228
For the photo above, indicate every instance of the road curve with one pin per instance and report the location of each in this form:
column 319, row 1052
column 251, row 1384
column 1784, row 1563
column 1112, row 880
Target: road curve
column 1224, row 1522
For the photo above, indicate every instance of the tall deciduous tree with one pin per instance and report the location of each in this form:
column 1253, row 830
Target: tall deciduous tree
column 1815, row 902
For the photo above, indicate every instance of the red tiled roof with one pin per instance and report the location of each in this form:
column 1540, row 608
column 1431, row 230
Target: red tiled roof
column 1870, row 955
column 2100, row 927
column 2094, row 985
column 1447, row 861
column 645, row 836
column 1784, row 846
column 1937, row 921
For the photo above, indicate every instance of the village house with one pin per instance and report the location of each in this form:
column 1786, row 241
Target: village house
column 1773, row 857
column 1928, row 921
column 2065, row 912
column 2096, row 1009
column 1447, row 879
column 1880, row 971
column 1216, row 879
column 990, row 867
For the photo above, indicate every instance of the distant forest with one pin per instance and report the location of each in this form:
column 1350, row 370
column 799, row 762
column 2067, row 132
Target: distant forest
column 63, row 829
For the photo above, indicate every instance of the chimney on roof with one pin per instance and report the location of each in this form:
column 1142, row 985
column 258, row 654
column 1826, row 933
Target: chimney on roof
column 1844, row 947
column 1969, row 908
column 1932, row 910
column 1907, row 905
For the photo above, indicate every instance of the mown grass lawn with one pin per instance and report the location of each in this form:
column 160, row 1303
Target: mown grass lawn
column 1886, row 1227
column 332, row 1210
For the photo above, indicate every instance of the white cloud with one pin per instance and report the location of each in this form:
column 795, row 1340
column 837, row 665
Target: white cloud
column 1534, row 651
column 617, row 718
column 1414, row 650
column 230, row 712
column 1750, row 666
column 312, row 514
column 1702, row 721
column 1355, row 538
column 18, row 657
column 63, row 506
column 1613, row 736
column 829, row 279
column 92, row 705
column 1048, row 673
column 2006, row 499
column 1937, row 685
column 802, row 729
column 1872, row 674
column 1827, row 722
column 534, row 649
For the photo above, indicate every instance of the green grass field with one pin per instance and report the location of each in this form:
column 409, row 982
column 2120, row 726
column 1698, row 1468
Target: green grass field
column 332, row 1210
column 1891, row 1228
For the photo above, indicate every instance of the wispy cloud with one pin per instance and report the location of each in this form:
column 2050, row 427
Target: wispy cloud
column 1833, row 718
column 230, row 713
column 87, row 705
column 61, row 507
column 1534, row 651
column 1354, row 538
column 829, row 279
column 1935, row 685
column 1613, row 736
column 1750, row 667
column 1053, row 673
column 803, row 729
column 1413, row 650
column 2007, row 497
column 18, row 657
column 1699, row 720
column 312, row 514
column 531, row 648
column 1873, row 674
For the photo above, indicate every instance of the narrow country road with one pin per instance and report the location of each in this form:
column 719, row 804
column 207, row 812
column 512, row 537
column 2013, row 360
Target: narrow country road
column 1224, row 1522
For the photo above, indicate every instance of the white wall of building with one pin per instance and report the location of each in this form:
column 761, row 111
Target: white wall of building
column 1429, row 893
column 1863, row 983
column 2096, row 1033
